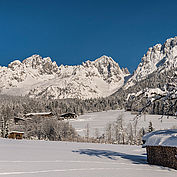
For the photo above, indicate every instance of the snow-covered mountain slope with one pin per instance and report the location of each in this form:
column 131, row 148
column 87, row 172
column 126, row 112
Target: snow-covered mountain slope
column 40, row 77
column 152, row 87
column 157, row 94
column 158, row 58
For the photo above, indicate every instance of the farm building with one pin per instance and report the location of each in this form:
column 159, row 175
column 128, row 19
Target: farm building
column 161, row 147
column 18, row 119
column 68, row 116
column 42, row 114
column 16, row 135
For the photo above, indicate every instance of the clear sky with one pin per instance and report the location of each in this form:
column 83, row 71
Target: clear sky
column 72, row 31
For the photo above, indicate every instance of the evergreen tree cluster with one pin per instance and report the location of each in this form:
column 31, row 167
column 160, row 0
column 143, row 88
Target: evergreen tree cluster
column 162, row 104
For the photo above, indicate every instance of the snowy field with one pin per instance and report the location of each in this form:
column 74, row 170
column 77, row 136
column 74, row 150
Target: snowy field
column 98, row 120
column 22, row 158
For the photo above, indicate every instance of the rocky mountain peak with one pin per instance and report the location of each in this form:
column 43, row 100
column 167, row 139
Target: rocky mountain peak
column 158, row 58
column 171, row 42
column 108, row 69
column 125, row 71
column 44, row 65
column 14, row 65
column 33, row 61
column 40, row 77
column 104, row 59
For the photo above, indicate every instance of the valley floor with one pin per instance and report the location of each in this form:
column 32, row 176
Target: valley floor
column 25, row 158
column 99, row 120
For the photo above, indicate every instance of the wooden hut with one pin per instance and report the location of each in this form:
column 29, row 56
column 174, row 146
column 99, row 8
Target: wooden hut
column 41, row 114
column 18, row 119
column 68, row 116
column 161, row 147
column 16, row 135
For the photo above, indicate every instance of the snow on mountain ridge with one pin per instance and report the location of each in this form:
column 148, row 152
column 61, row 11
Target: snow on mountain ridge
column 158, row 58
column 125, row 71
column 92, row 79
column 40, row 77
column 43, row 64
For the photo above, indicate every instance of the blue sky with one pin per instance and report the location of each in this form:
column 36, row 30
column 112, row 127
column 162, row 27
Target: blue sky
column 72, row 31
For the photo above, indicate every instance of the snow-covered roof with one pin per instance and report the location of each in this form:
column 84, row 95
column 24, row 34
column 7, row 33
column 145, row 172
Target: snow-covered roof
column 16, row 132
column 161, row 138
column 38, row 114
column 69, row 113
column 19, row 118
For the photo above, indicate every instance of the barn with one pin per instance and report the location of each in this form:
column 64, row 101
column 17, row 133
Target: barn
column 18, row 119
column 41, row 114
column 68, row 116
column 16, row 135
column 161, row 147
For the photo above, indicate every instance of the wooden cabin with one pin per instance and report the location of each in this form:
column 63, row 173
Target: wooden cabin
column 18, row 119
column 16, row 135
column 161, row 147
column 68, row 116
column 41, row 114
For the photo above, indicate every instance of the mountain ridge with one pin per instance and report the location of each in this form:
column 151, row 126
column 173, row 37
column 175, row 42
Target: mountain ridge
column 41, row 77
column 158, row 58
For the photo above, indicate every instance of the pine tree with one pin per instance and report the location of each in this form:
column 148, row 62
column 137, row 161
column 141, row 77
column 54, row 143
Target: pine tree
column 150, row 127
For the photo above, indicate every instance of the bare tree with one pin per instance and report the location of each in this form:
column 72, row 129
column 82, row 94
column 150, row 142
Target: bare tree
column 87, row 135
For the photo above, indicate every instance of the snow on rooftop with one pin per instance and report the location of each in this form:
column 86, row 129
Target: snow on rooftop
column 39, row 114
column 16, row 132
column 161, row 138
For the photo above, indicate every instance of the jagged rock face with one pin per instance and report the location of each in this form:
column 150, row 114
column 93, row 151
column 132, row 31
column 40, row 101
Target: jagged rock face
column 156, row 95
column 44, row 65
column 40, row 77
column 158, row 58
column 31, row 69
column 105, row 67
column 125, row 71
column 92, row 79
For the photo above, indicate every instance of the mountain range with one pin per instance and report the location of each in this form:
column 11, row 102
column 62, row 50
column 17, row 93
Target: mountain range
column 39, row 77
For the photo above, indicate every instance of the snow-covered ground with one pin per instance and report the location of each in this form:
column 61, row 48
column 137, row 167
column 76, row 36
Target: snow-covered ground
column 99, row 120
column 22, row 158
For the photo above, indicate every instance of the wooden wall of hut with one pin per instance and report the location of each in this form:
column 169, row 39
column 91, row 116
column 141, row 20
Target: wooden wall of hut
column 162, row 155
column 15, row 135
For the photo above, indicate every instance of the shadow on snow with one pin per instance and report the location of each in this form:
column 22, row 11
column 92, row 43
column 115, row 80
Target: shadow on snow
column 136, row 159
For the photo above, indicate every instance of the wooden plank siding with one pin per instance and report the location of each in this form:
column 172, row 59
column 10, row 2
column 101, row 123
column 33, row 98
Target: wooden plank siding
column 162, row 155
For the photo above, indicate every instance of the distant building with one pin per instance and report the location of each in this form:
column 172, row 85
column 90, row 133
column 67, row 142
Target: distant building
column 18, row 119
column 16, row 135
column 161, row 147
column 68, row 116
column 41, row 114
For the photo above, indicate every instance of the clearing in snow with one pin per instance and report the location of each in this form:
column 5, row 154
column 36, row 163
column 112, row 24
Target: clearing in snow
column 99, row 120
